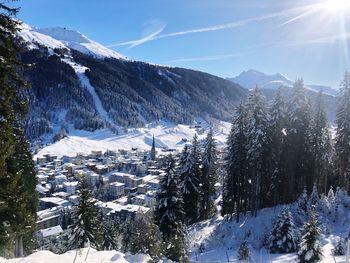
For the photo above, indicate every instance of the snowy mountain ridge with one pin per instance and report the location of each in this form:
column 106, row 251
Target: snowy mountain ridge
column 250, row 78
column 60, row 37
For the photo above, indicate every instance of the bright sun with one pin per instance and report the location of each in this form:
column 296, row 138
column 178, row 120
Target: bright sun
column 336, row 5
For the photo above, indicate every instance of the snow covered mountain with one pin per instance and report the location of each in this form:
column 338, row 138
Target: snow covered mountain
column 62, row 38
column 250, row 78
column 77, row 83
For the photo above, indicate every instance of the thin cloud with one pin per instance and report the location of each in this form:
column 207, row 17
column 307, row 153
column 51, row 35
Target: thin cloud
column 240, row 23
column 322, row 40
column 217, row 57
column 140, row 41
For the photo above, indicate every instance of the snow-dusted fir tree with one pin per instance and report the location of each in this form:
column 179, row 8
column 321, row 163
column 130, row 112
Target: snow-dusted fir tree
column 277, row 126
column 314, row 198
column 340, row 247
column 337, row 208
column 145, row 237
column 236, row 187
column 321, row 148
column 208, row 177
column 297, row 150
column 310, row 249
column 302, row 208
column 331, row 195
column 190, row 183
column 110, row 235
column 83, row 231
column 257, row 130
column 283, row 237
column 244, row 253
column 342, row 145
column 169, row 214
column 18, row 200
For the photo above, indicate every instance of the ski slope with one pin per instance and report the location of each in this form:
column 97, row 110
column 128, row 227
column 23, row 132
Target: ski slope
column 167, row 135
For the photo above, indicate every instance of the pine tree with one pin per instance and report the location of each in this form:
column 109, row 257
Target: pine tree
column 310, row 249
column 236, row 190
column 145, row 237
column 277, row 127
column 302, row 208
column 342, row 145
column 190, row 183
column 331, row 195
column 340, row 247
column 283, row 237
column 208, row 177
column 169, row 214
column 320, row 146
column 110, row 235
column 257, row 130
column 244, row 252
column 22, row 197
column 83, row 231
column 297, row 147
column 12, row 109
column 314, row 198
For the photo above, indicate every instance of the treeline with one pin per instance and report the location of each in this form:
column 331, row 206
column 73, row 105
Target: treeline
column 276, row 150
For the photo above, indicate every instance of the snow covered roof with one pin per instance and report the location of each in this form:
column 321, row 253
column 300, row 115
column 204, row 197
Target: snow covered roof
column 51, row 231
column 115, row 207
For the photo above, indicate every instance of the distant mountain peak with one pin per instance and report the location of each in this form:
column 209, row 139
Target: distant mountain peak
column 250, row 78
column 61, row 37
column 64, row 34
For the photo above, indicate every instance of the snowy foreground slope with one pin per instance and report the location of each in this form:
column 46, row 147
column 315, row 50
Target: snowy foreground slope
column 166, row 135
column 85, row 255
column 220, row 238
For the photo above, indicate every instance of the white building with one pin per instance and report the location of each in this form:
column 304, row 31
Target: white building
column 117, row 189
column 70, row 187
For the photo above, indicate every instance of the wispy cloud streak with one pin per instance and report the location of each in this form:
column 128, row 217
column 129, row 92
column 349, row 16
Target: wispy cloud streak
column 240, row 23
column 322, row 40
column 207, row 58
column 140, row 41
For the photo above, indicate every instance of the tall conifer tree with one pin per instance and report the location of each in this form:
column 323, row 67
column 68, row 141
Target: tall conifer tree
column 208, row 177
column 342, row 145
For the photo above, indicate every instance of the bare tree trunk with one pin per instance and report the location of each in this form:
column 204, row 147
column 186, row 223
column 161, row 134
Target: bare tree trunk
column 18, row 247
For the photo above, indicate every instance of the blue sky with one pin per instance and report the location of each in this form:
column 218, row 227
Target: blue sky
column 298, row 38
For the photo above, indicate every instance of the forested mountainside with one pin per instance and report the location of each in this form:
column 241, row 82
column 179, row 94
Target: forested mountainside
column 76, row 81
column 69, row 87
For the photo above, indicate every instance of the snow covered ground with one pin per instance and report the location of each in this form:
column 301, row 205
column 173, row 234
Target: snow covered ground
column 91, row 256
column 167, row 135
column 220, row 239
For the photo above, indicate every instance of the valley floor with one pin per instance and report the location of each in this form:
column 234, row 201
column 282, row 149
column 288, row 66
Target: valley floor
column 167, row 135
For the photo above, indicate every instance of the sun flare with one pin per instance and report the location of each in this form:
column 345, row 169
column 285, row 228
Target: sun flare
column 336, row 5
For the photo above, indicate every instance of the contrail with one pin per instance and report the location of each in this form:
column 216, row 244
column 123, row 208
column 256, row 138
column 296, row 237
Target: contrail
column 140, row 41
column 156, row 36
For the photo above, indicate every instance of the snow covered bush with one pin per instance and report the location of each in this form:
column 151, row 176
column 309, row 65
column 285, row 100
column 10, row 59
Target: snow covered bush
column 340, row 247
column 244, row 252
column 310, row 249
column 283, row 235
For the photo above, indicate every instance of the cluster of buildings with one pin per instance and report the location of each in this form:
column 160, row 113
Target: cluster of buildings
column 124, row 184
